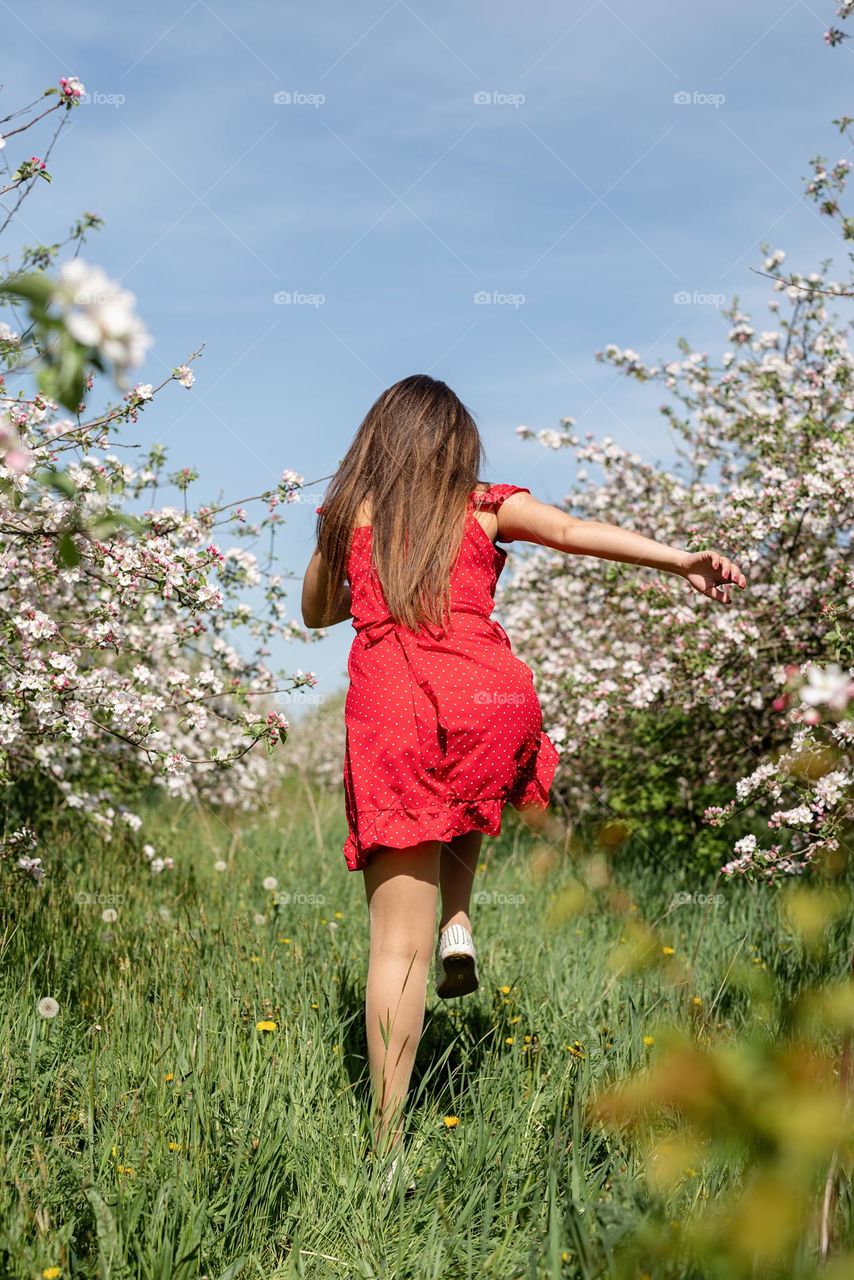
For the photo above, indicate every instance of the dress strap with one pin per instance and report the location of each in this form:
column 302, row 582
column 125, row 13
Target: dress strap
column 491, row 499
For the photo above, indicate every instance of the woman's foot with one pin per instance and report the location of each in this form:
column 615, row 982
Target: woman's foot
column 456, row 962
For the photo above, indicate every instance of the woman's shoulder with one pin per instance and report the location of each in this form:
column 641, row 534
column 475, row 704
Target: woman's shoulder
column 491, row 496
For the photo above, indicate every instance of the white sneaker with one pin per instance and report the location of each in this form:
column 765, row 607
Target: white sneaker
column 456, row 962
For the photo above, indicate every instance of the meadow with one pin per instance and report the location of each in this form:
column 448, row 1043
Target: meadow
column 654, row 1079
column 197, row 1106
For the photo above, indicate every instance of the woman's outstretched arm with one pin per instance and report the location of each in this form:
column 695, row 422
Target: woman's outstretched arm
column 521, row 517
column 314, row 594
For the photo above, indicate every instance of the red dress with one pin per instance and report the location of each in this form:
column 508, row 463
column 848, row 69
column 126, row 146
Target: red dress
column 442, row 728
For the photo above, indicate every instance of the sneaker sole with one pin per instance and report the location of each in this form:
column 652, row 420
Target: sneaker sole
column 460, row 977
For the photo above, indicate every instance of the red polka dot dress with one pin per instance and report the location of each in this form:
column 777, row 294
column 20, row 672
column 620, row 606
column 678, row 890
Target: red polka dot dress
column 443, row 728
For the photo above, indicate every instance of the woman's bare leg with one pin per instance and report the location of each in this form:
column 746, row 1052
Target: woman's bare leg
column 457, row 865
column 402, row 888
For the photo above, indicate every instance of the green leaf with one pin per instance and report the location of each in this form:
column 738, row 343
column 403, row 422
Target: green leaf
column 33, row 287
column 59, row 480
column 64, row 378
column 105, row 1226
column 68, row 552
column 231, row 1272
column 106, row 525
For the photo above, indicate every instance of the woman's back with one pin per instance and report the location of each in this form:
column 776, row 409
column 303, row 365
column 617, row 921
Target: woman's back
column 473, row 576
column 443, row 724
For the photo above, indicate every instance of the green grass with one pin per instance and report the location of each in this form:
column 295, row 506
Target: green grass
column 151, row 1130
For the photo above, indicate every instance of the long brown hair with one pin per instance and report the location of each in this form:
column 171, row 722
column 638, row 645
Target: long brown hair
column 416, row 457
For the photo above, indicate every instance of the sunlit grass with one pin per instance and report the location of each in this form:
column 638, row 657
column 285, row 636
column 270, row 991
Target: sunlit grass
column 197, row 1104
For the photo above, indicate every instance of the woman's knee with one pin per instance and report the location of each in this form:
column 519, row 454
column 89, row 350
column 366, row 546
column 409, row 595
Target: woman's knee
column 403, row 941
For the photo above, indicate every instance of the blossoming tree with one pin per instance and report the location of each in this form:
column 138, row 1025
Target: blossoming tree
column 657, row 699
column 130, row 654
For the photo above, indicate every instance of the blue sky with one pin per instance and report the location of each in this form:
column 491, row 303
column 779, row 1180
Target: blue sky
column 386, row 188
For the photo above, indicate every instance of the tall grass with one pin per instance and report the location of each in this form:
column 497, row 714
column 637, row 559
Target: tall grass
column 151, row 1129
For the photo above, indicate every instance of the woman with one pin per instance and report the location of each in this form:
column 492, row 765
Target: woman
column 443, row 725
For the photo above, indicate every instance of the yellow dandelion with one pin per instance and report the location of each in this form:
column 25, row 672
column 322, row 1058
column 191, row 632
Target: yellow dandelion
column 517, row 1018
column 50, row 1273
column 314, row 1006
column 266, row 1024
column 174, row 1146
column 286, row 941
column 126, row 1168
column 696, row 1000
column 648, row 1040
column 509, row 1040
column 668, row 951
column 169, row 1077
column 450, row 1122
column 505, row 991
column 115, row 1152
column 339, row 915
column 254, row 959
column 527, row 1039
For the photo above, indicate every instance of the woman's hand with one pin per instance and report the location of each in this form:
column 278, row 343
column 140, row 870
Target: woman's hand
column 712, row 574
